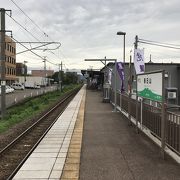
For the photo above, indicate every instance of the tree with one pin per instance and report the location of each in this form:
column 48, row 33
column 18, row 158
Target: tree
column 55, row 76
column 70, row 78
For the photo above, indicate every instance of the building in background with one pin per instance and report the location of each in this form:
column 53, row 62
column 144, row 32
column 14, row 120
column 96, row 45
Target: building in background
column 10, row 60
column 42, row 73
column 21, row 69
column 171, row 79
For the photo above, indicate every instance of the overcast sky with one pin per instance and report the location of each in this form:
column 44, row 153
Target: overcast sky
column 87, row 29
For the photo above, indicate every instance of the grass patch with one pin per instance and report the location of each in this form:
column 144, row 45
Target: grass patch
column 31, row 108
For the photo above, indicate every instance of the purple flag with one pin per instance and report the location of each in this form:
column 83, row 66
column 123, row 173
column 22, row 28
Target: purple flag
column 120, row 69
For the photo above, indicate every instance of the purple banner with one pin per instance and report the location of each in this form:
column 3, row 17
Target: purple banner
column 120, row 69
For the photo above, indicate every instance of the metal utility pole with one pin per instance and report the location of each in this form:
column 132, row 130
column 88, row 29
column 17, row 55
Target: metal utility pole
column 135, row 47
column 115, row 88
column 44, row 73
column 2, row 61
column 130, row 90
column 25, row 71
column 61, row 77
column 150, row 59
column 136, row 42
column 163, row 119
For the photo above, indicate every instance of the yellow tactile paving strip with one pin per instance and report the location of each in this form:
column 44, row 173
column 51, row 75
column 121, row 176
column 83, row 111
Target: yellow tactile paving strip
column 72, row 164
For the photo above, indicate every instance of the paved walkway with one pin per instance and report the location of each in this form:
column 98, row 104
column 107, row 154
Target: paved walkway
column 111, row 150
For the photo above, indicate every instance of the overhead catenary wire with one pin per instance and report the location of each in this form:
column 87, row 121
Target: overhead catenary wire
column 154, row 43
column 31, row 42
column 35, row 48
column 159, row 45
column 31, row 33
column 41, row 57
column 44, row 33
column 170, row 46
column 22, row 27
column 47, row 49
column 29, row 18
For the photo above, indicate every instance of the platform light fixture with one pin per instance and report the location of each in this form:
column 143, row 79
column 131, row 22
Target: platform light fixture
column 121, row 33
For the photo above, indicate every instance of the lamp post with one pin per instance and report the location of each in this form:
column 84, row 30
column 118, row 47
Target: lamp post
column 124, row 34
column 25, row 71
column 120, row 33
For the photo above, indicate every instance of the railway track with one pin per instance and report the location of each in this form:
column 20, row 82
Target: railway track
column 15, row 153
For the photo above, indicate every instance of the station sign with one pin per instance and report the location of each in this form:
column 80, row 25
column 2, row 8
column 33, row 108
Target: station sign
column 150, row 85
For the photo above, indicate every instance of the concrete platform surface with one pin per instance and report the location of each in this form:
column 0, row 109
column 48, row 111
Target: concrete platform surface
column 112, row 150
column 48, row 159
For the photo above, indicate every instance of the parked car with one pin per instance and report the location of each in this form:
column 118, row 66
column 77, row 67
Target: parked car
column 17, row 86
column 37, row 86
column 9, row 89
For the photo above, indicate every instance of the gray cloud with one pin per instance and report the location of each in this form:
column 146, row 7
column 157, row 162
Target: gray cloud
column 88, row 27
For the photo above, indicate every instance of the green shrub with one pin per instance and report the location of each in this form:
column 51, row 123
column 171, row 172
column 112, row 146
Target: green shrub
column 31, row 108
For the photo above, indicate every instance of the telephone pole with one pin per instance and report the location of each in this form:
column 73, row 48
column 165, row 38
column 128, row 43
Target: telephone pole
column 61, row 77
column 136, row 42
column 44, row 73
column 2, row 61
column 25, row 72
column 135, row 47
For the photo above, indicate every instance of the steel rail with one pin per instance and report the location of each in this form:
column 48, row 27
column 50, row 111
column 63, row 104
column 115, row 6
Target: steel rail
column 33, row 126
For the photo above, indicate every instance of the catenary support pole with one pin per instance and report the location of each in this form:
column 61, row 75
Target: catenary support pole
column 45, row 74
column 61, row 77
column 2, row 61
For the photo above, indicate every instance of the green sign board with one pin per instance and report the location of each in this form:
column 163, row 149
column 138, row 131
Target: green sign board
column 149, row 86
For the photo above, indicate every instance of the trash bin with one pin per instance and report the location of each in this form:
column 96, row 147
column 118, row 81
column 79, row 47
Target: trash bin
column 106, row 92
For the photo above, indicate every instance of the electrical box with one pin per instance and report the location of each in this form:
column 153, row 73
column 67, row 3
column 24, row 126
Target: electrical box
column 171, row 95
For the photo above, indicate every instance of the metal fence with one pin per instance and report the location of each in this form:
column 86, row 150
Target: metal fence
column 173, row 131
column 150, row 117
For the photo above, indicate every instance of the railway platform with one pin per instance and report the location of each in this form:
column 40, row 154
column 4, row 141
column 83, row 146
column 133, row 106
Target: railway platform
column 91, row 142
column 48, row 159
